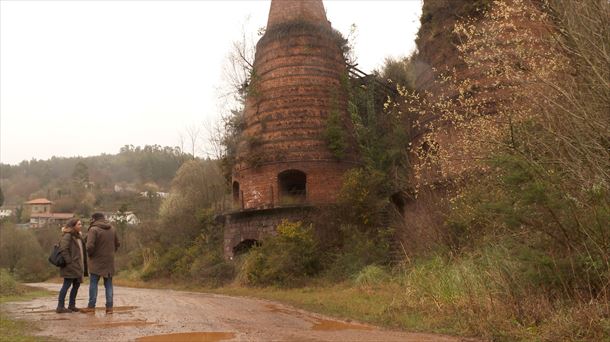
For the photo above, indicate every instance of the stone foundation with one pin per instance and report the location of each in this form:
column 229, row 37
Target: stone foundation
column 259, row 224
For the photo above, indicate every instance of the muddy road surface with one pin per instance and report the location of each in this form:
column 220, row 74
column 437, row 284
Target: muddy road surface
column 166, row 315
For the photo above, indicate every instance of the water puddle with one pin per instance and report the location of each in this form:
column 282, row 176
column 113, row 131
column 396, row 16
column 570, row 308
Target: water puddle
column 33, row 307
column 189, row 337
column 121, row 309
column 120, row 324
column 118, row 309
column 43, row 311
column 319, row 324
column 274, row 308
column 328, row 325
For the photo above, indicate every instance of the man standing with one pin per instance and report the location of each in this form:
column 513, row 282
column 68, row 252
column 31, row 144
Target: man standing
column 102, row 242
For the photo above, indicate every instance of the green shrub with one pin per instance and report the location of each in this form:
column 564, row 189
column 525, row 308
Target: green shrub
column 204, row 261
column 361, row 201
column 211, row 269
column 554, row 231
column 22, row 255
column 399, row 71
column 34, row 268
column 370, row 276
column 358, row 249
column 502, row 290
column 287, row 259
column 335, row 136
column 8, row 285
column 165, row 264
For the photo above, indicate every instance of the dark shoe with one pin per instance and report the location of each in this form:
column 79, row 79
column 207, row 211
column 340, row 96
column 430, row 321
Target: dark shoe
column 62, row 310
column 73, row 309
column 108, row 311
column 87, row 310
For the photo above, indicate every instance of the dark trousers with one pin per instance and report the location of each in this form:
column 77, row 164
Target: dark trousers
column 64, row 290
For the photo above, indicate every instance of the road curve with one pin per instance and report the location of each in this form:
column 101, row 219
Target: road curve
column 168, row 315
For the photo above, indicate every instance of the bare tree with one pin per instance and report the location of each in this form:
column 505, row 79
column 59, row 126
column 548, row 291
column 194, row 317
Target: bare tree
column 239, row 64
column 192, row 134
column 237, row 72
column 181, row 141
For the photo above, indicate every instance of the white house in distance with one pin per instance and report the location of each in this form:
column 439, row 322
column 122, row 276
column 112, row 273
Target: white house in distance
column 129, row 217
column 41, row 214
column 5, row 212
column 124, row 187
column 159, row 194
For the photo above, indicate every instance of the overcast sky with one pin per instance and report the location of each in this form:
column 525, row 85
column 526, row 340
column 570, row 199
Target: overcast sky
column 81, row 78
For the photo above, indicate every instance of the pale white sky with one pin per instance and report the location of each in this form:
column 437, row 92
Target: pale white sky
column 81, row 78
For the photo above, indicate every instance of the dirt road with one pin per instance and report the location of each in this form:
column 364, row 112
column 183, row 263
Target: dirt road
column 167, row 315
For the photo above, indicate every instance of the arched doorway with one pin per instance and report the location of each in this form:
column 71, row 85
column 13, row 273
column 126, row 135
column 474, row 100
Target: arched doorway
column 292, row 185
column 244, row 246
column 399, row 202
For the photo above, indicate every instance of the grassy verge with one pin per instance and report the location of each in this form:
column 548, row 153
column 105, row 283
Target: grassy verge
column 462, row 297
column 11, row 291
column 27, row 293
column 381, row 304
column 371, row 305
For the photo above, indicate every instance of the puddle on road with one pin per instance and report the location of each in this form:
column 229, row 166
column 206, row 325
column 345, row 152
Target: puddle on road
column 189, row 337
column 319, row 324
column 118, row 309
column 275, row 308
column 123, row 308
column 328, row 325
column 33, row 307
column 120, row 324
column 43, row 311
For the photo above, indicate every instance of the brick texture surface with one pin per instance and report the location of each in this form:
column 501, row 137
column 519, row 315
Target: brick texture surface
column 297, row 82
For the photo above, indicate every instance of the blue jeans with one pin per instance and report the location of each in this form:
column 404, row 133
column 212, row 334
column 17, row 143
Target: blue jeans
column 61, row 301
column 93, row 280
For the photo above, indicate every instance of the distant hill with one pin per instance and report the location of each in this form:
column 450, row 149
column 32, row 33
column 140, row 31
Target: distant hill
column 139, row 167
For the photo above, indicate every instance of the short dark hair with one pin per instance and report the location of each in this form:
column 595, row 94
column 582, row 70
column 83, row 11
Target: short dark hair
column 97, row 216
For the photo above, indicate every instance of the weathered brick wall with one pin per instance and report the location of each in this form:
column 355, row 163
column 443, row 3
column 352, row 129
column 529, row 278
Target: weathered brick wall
column 299, row 72
column 282, row 11
column 260, row 187
column 298, row 82
column 258, row 224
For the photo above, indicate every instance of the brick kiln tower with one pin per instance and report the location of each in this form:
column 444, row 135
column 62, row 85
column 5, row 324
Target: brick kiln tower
column 283, row 159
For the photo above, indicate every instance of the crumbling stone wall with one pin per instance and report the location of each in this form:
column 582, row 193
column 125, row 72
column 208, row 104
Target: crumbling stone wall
column 258, row 224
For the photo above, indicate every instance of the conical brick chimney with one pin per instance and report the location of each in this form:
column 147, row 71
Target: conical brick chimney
column 285, row 11
column 298, row 83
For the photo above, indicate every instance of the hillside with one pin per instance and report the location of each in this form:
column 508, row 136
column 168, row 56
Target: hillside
column 79, row 183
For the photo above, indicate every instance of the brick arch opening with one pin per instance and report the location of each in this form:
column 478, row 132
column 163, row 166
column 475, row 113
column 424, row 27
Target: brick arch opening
column 399, row 202
column 235, row 192
column 292, row 186
column 244, row 246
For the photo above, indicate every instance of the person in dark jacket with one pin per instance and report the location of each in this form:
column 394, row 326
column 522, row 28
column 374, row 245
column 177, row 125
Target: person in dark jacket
column 73, row 251
column 102, row 243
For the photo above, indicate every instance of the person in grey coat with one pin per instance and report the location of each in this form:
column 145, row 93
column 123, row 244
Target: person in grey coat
column 102, row 243
column 72, row 249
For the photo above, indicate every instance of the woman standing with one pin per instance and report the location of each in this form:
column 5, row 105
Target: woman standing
column 72, row 249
